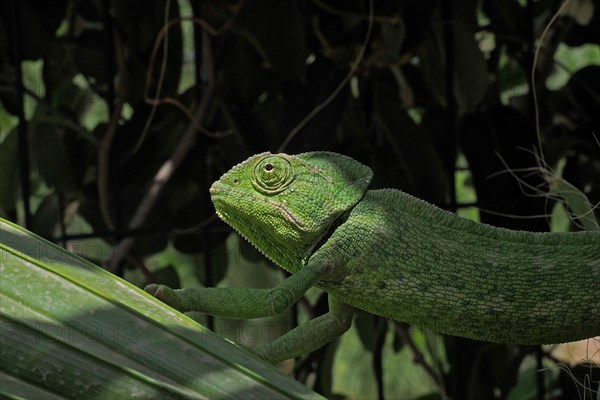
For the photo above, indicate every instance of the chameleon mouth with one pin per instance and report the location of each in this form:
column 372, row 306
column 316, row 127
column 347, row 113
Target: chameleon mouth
column 223, row 208
column 217, row 192
column 218, row 189
column 221, row 195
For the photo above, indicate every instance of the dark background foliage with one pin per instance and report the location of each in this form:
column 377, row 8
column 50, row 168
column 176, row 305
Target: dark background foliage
column 440, row 105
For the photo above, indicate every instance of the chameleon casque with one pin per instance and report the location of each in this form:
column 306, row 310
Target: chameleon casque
column 394, row 255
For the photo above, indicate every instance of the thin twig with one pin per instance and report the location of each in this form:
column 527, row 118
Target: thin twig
column 156, row 100
column 161, row 79
column 536, row 55
column 418, row 356
column 116, row 101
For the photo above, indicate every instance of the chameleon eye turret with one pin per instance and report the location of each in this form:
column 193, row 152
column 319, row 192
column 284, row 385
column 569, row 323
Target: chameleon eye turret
column 272, row 174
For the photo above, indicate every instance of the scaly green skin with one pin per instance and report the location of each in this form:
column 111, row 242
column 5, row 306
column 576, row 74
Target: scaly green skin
column 391, row 254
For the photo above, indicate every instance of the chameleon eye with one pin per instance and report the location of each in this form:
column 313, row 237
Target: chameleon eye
column 272, row 174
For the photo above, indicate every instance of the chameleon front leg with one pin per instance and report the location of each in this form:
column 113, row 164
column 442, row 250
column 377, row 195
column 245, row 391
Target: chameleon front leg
column 241, row 302
column 310, row 335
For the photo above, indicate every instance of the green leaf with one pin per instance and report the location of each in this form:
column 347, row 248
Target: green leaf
column 59, row 153
column 47, row 216
column 472, row 77
column 365, row 327
column 526, row 388
column 72, row 330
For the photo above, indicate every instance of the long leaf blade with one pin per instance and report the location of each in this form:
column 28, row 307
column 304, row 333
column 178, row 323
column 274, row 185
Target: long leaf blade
column 72, row 330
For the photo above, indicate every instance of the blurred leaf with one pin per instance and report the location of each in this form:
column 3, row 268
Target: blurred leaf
column 249, row 252
column 149, row 244
column 220, row 255
column 326, row 370
column 74, row 330
column 581, row 211
column 526, row 388
column 46, row 217
column 58, row 152
column 89, row 209
column 354, row 376
column 472, row 77
column 398, row 343
column 506, row 16
column 247, row 267
column 513, row 79
column 167, row 276
column 365, row 326
column 92, row 61
column 584, row 87
column 587, row 29
column 59, row 67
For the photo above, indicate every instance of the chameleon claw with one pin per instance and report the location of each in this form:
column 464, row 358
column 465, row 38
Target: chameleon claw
column 164, row 294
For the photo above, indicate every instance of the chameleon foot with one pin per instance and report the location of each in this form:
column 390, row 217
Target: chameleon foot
column 164, row 294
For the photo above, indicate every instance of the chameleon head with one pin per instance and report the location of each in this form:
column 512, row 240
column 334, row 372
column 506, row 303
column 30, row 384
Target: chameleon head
column 284, row 204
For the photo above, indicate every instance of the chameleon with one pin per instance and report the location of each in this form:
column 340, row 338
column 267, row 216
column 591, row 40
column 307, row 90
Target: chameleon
column 394, row 255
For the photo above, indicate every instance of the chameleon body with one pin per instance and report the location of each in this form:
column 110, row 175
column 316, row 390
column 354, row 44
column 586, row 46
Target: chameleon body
column 394, row 255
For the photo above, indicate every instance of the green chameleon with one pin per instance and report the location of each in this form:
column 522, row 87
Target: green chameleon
column 393, row 255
